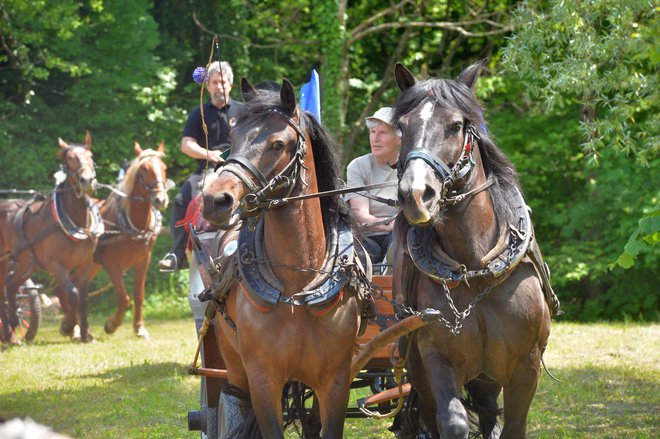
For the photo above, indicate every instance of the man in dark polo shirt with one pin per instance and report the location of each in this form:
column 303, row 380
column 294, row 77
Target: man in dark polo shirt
column 218, row 112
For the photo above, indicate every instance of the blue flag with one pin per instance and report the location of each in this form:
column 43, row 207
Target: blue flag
column 310, row 96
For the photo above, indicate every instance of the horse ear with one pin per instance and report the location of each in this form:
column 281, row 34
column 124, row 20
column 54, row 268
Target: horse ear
column 247, row 90
column 62, row 143
column 161, row 148
column 469, row 76
column 288, row 97
column 403, row 77
column 137, row 148
column 88, row 140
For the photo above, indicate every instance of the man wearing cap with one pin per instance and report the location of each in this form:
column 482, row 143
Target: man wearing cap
column 376, row 216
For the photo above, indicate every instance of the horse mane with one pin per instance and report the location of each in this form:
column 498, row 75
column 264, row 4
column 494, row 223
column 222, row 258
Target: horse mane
column 456, row 95
column 126, row 185
column 333, row 208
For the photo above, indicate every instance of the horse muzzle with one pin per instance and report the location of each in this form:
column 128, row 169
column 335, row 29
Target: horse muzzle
column 420, row 198
column 160, row 201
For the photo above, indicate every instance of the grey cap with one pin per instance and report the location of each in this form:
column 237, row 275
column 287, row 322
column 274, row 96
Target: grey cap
column 383, row 115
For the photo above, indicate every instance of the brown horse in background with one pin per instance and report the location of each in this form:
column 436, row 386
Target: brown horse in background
column 268, row 340
column 57, row 234
column 132, row 223
column 465, row 249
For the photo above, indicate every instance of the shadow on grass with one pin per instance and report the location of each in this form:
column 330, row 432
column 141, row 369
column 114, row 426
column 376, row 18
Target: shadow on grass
column 142, row 400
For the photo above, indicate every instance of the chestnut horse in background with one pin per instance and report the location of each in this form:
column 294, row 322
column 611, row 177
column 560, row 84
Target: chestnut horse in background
column 465, row 248
column 132, row 223
column 57, row 234
column 270, row 335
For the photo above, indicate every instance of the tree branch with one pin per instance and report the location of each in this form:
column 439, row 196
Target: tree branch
column 457, row 27
column 375, row 17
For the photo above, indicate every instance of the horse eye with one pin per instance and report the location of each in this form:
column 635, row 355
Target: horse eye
column 278, row 145
column 455, row 128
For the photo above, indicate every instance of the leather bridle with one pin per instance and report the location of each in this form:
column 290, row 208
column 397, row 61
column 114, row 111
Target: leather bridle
column 449, row 176
column 261, row 189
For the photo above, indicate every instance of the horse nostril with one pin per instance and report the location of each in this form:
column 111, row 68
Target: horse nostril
column 223, row 201
column 429, row 194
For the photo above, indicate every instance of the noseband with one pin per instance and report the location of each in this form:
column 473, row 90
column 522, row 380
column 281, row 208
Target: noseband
column 448, row 176
column 260, row 188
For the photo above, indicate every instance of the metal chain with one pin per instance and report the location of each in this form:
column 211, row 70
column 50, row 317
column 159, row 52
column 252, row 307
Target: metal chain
column 403, row 311
column 248, row 258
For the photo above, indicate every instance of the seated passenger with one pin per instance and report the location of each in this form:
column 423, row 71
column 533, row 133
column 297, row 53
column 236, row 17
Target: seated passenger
column 373, row 215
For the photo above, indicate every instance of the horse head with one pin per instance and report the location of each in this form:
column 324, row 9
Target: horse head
column 151, row 173
column 268, row 149
column 78, row 164
column 439, row 121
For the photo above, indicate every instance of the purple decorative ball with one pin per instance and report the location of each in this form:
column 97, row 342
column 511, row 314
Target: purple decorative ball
column 199, row 74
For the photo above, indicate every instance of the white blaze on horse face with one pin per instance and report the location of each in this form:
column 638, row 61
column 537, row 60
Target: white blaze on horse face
column 419, row 170
column 425, row 115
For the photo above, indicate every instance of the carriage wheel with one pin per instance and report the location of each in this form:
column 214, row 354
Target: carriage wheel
column 29, row 312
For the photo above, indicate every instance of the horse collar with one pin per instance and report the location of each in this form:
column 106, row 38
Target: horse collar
column 127, row 227
column 71, row 229
column 265, row 291
column 436, row 264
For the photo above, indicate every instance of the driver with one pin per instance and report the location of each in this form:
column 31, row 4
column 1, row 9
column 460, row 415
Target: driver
column 219, row 110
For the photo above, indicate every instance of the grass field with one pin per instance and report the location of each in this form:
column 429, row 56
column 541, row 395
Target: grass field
column 123, row 387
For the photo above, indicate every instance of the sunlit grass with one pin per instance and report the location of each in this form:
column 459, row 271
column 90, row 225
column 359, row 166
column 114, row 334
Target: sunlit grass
column 123, row 387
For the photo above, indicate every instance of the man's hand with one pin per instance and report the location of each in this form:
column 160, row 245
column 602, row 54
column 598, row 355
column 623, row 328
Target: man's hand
column 215, row 156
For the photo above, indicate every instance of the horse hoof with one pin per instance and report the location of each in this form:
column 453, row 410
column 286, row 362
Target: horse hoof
column 109, row 327
column 88, row 338
column 66, row 330
column 142, row 333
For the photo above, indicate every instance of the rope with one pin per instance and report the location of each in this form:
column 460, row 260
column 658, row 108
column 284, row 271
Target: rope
column 398, row 376
column 202, row 334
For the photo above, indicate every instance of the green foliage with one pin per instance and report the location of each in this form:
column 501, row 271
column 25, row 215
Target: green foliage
column 583, row 213
column 601, row 55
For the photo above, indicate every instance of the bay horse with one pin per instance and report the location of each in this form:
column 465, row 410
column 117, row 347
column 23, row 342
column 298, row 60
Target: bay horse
column 465, row 250
column 292, row 316
column 58, row 234
column 132, row 222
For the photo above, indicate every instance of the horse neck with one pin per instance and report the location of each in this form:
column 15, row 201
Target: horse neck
column 294, row 236
column 139, row 210
column 76, row 208
column 469, row 230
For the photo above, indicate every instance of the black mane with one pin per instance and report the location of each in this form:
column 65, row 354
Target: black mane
column 456, row 95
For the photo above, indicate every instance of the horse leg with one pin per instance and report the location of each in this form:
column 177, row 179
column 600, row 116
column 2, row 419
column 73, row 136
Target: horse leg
column 333, row 400
column 65, row 284
column 17, row 279
column 518, row 396
column 425, row 401
column 482, row 396
column 450, row 417
column 140, row 277
column 7, row 333
column 82, row 282
column 266, row 400
column 123, row 300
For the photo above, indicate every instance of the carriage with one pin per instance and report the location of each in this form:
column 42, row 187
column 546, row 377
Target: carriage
column 463, row 247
